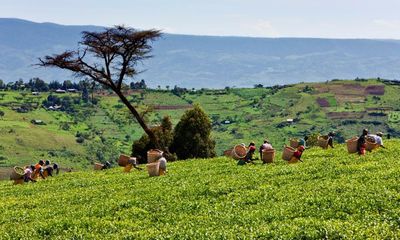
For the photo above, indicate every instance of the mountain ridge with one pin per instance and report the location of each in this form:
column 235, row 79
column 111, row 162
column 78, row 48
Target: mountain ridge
column 208, row 61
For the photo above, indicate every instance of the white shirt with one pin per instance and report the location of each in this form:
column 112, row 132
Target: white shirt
column 378, row 140
column 267, row 146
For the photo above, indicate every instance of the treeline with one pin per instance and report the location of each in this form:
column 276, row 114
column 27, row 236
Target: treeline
column 39, row 85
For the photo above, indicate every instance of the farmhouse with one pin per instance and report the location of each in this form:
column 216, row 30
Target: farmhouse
column 72, row 90
column 35, row 93
column 37, row 122
column 60, row 91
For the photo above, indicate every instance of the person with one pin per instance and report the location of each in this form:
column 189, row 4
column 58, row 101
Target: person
column 303, row 141
column 361, row 146
column 330, row 138
column 265, row 146
column 106, row 165
column 28, row 173
column 132, row 162
column 56, row 168
column 297, row 154
column 47, row 169
column 162, row 165
column 378, row 138
column 250, row 153
column 39, row 169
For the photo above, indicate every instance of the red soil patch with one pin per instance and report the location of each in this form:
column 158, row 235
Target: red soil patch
column 345, row 115
column 375, row 90
column 323, row 102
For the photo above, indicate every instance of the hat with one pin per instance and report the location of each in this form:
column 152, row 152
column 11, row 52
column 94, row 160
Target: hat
column 380, row 134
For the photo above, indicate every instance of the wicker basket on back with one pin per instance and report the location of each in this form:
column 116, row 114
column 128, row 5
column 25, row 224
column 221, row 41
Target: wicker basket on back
column 239, row 152
column 323, row 141
column 370, row 144
column 98, row 166
column 268, row 155
column 17, row 173
column 153, row 169
column 153, row 155
column 294, row 142
column 287, row 153
column 123, row 160
column 228, row 153
column 352, row 145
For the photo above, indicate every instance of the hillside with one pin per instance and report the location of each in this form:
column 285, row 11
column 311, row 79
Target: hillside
column 237, row 115
column 331, row 195
column 206, row 61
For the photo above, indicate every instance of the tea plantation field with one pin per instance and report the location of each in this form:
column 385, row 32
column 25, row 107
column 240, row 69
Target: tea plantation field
column 331, row 195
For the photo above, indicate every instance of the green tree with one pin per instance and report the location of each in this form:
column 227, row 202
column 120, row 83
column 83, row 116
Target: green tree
column 192, row 135
column 164, row 136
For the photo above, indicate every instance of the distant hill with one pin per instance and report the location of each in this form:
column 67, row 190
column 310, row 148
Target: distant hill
column 205, row 61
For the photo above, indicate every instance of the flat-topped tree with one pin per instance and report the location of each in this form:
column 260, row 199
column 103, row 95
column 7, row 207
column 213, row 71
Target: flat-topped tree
column 109, row 58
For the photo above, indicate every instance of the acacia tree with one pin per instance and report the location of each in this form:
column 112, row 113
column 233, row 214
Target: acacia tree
column 108, row 58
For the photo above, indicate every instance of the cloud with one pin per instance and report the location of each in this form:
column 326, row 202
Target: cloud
column 261, row 28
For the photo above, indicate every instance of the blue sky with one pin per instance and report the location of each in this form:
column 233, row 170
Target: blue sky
column 258, row 18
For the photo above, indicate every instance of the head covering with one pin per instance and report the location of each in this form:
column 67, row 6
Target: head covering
column 301, row 148
column 365, row 131
column 380, row 134
column 266, row 141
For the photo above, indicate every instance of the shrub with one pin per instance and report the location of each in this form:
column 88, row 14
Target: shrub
column 192, row 135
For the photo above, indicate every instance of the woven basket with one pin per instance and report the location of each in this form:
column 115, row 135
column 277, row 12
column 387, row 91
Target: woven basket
column 153, row 155
column 17, row 173
column 123, row 160
column 323, row 141
column 287, row 153
column 294, row 142
column 153, row 169
column 228, row 153
column 370, row 144
column 268, row 155
column 239, row 152
column 352, row 145
column 98, row 166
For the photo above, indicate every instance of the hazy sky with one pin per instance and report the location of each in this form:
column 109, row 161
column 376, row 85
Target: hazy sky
column 262, row 18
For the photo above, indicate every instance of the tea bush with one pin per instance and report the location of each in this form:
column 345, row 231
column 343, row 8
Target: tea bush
column 331, row 195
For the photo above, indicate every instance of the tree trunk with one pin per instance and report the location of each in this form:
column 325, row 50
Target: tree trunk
column 140, row 120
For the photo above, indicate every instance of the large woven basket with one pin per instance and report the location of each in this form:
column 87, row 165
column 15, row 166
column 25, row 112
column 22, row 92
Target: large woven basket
column 323, row 141
column 239, row 152
column 123, row 160
column 287, row 153
column 268, row 155
column 294, row 142
column 370, row 144
column 153, row 155
column 153, row 169
column 228, row 153
column 352, row 145
column 98, row 166
column 17, row 173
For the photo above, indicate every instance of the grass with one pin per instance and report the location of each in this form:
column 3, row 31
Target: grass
column 331, row 195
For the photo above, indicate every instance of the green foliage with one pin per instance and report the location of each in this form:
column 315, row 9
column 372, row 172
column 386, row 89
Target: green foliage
column 192, row 135
column 331, row 195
